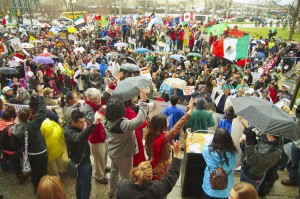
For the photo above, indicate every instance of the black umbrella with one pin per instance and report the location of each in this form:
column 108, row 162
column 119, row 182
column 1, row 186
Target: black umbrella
column 130, row 87
column 130, row 67
column 129, row 60
column 266, row 117
column 8, row 71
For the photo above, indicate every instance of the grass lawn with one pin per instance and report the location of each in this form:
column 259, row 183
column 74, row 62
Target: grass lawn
column 264, row 32
column 234, row 22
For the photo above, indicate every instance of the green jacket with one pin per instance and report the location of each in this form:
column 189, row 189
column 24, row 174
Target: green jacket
column 200, row 120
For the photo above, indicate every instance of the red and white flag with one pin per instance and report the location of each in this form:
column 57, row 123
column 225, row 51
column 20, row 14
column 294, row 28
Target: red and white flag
column 188, row 16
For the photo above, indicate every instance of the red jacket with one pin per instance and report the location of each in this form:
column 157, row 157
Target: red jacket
column 273, row 94
column 181, row 35
column 140, row 156
column 173, row 35
column 211, row 39
column 192, row 41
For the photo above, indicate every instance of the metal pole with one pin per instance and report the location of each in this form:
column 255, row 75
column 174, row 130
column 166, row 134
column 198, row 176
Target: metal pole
column 296, row 90
column 167, row 8
column 72, row 10
column 30, row 14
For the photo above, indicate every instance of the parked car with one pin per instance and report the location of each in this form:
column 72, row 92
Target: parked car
column 255, row 18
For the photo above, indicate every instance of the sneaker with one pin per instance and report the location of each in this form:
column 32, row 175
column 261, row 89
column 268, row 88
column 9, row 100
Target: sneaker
column 102, row 181
column 289, row 182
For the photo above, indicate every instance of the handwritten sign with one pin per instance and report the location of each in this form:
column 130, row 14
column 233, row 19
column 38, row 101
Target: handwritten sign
column 16, row 44
column 145, row 72
column 189, row 90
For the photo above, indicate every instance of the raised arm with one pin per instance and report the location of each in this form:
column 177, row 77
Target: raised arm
column 41, row 113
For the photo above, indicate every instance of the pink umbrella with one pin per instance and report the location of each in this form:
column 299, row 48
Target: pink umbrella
column 45, row 25
column 45, row 54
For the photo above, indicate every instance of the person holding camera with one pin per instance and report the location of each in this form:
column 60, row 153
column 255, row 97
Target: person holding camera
column 259, row 157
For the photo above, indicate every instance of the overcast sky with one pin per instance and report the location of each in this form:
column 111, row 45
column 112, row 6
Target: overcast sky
column 282, row 2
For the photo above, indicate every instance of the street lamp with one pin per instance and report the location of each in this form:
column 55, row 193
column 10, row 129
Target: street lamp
column 72, row 4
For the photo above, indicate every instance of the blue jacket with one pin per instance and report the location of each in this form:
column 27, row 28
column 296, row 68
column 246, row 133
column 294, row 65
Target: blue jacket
column 103, row 68
column 212, row 166
column 176, row 114
column 225, row 124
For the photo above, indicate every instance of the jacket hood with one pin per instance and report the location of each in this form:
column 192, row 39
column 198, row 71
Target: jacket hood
column 109, row 124
column 4, row 124
column 19, row 129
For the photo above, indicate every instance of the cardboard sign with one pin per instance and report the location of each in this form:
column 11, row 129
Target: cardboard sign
column 145, row 72
column 63, row 35
column 256, row 76
column 16, row 44
column 50, row 34
column 189, row 90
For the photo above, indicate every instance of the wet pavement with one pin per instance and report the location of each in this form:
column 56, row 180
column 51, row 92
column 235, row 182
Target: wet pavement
column 10, row 188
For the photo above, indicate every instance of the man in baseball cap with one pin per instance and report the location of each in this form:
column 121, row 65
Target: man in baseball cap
column 8, row 93
column 48, row 94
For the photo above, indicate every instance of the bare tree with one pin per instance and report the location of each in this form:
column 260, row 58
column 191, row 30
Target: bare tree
column 294, row 12
column 225, row 8
column 5, row 6
column 49, row 12
column 259, row 6
column 144, row 4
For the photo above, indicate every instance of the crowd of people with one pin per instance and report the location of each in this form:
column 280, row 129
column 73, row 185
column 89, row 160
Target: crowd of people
column 68, row 103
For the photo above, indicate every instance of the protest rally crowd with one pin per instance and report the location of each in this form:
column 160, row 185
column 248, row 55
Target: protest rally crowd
column 86, row 91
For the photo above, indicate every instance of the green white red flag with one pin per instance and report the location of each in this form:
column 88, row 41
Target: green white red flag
column 232, row 48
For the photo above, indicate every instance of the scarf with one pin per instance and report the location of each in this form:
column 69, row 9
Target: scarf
column 95, row 107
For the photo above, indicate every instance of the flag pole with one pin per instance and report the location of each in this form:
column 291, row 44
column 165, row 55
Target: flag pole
column 247, row 55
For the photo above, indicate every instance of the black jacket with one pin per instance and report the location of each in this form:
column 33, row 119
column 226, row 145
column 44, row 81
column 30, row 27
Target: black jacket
column 154, row 189
column 76, row 139
column 36, row 142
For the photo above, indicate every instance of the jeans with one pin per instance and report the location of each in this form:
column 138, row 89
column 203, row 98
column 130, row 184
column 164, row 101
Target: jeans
column 295, row 157
column 255, row 183
column 14, row 162
column 283, row 161
column 84, row 181
column 205, row 196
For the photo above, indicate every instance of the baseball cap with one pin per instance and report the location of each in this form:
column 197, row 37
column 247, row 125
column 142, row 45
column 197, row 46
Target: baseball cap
column 6, row 88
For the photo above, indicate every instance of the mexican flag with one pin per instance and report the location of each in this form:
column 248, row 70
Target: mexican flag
column 231, row 49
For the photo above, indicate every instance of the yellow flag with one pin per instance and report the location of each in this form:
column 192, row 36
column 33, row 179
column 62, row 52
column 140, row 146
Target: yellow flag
column 31, row 39
column 18, row 12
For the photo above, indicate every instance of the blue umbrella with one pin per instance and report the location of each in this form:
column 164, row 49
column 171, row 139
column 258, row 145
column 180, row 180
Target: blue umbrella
column 177, row 56
column 55, row 29
column 261, row 55
column 43, row 60
column 25, row 26
column 141, row 50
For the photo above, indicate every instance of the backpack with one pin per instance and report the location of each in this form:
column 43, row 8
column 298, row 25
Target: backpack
column 218, row 178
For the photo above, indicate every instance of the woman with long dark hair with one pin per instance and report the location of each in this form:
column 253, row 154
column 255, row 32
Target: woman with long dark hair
column 157, row 141
column 220, row 152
